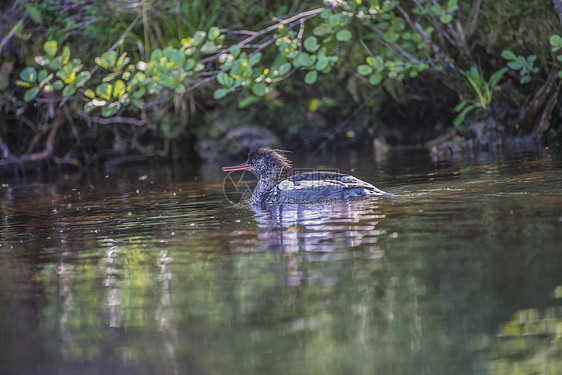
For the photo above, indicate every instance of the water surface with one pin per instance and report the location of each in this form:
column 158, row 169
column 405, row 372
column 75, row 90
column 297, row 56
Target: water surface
column 152, row 270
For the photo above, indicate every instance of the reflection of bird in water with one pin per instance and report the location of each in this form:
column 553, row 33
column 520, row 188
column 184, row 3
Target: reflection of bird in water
column 306, row 187
column 320, row 228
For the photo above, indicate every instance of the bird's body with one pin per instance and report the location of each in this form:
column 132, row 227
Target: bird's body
column 306, row 187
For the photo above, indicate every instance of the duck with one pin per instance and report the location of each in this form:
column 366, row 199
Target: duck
column 301, row 188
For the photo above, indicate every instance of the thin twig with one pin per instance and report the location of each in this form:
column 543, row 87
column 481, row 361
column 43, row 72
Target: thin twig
column 434, row 47
column 402, row 51
column 119, row 119
column 6, row 154
column 9, row 36
column 475, row 13
column 244, row 43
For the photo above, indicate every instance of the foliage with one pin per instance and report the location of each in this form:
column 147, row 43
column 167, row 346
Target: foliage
column 137, row 63
column 203, row 57
column 524, row 65
column 556, row 45
column 483, row 91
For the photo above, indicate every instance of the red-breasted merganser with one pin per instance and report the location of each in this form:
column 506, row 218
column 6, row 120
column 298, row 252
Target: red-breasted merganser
column 306, row 187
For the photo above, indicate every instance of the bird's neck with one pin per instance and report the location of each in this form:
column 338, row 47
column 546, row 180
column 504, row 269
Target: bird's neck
column 265, row 184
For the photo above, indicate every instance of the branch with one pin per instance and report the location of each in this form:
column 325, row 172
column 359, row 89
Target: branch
column 41, row 155
column 119, row 119
column 475, row 13
column 244, row 43
column 402, row 51
column 9, row 36
column 5, row 149
column 434, row 47
column 558, row 8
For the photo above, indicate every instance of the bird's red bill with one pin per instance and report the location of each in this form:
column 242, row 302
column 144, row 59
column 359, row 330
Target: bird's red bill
column 241, row 167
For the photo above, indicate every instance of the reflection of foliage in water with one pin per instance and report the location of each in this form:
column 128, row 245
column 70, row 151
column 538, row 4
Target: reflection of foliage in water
column 530, row 343
column 194, row 287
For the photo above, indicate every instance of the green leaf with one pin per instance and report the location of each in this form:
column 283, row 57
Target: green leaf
column 34, row 13
column 225, row 79
column 199, row 37
column 104, row 91
column 30, row 94
column 139, row 93
column 42, row 75
column 21, row 83
column 45, row 80
column 514, row 65
column 390, row 36
column 235, row 51
column 284, row 68
column 311, row 44
column 110, row 109
column 334, row 20
column 65, row 55
column 445, row 18
column 68, row 91
column 461, row 105
column 139, row 103
column 496, row 77
column 343, row 35
column 255, row 58
column 110, row 77
column 304, row 59
column 322, row 63
column 122, row 61
column 119, row 89
column 376, row 62
column 107, row 60
column 174, row 55
column 156, row 55
column 460, row 118
column 209, row 47
column 50, row 48
column 311, row 77
column 556, row 42
column 508, row 55
column 364, row 70
column 375, row 79
column 322, row 29
column 89, row 107
column 29, row 74
column 398, row 25
column 214, row 33
column 259, row 89
column 452, row 6
column 219, row 94
column 82, row 78
column 58, row 84
column 90, row 94
column 326, row 13
column 250, row 99
column 190, row 64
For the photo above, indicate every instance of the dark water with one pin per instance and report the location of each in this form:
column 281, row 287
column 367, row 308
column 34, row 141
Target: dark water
column 153, row 271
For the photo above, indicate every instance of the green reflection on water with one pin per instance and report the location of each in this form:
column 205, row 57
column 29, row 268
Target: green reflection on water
column 457, row 279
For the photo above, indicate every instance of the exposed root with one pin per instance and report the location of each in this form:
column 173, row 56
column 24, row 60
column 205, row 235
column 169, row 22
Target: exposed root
column 9, row 159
